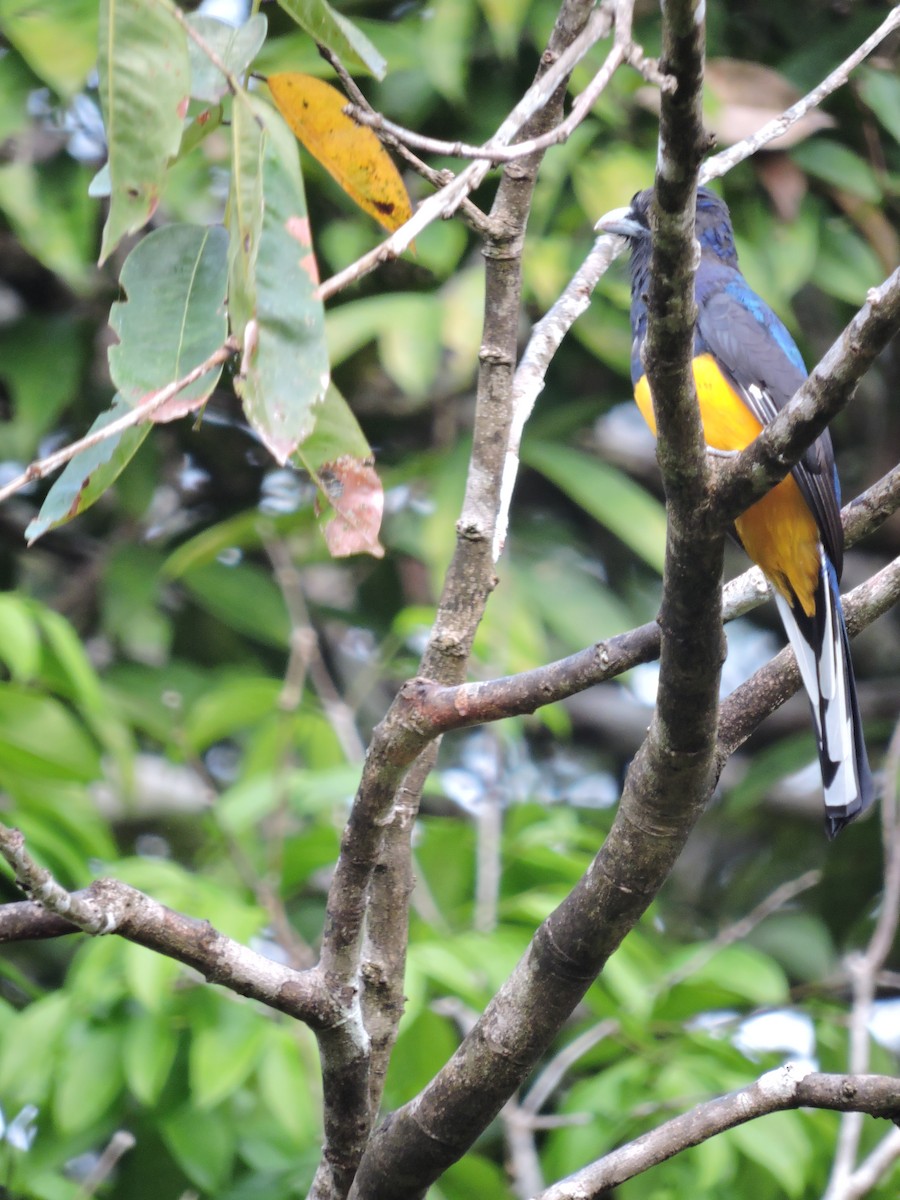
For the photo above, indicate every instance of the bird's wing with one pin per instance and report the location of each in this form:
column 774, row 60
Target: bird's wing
column 759, row 357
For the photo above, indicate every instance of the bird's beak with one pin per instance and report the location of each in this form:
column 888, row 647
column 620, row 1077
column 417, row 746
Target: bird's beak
column 620, row 221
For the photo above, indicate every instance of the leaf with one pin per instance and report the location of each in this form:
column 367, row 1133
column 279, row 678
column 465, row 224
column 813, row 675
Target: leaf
column 779, row 1143
column 223, row 1054
column 840, row 167
column 20, row 642
column 144, row 90
column 41, row 737
column 881, row 91
column 50, row 212
column 275, row 313
column 174, row 316
column 236, row 48
column 40, row 31
column 89, row 1078
column 333, row 30
column 202, row 1144
column 353, row 490
column 337, row 433
column 609, row 496
column 350, row 153
column 149, row 1049
column 88, row 475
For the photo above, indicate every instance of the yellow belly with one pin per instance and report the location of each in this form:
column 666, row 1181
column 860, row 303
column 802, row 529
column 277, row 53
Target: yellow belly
column 778, row 532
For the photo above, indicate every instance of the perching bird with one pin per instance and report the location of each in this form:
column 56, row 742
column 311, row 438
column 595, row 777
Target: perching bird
column 746, row 368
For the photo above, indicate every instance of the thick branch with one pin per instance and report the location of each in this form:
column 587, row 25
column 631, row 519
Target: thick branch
column 108, row 906
column 788, row 1087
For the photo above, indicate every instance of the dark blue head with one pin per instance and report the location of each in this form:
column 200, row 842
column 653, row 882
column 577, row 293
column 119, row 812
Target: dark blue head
column 713, row 230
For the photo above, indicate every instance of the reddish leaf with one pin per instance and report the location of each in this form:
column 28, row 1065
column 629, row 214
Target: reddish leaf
column 352, row 487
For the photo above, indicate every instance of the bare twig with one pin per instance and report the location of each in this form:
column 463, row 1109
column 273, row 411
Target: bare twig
column 470, row 213
column 623, row 51
column 141, row 412
column 118, row 1146
column 788, row 1087
column 863, row 970
column 445, row 202
column 721, row 164
column 109, row 906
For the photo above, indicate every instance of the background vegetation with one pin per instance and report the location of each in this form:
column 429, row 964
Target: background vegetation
column 187, row 680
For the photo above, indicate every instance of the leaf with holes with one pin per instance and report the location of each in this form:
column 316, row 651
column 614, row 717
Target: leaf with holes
column 350, row 153
column 353, row 490
column 275, row 313
column 174, row 316
column 144, row 91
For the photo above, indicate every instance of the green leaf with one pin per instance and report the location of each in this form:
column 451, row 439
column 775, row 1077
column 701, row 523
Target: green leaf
column 224, row 1053
column 89, row 1078
column 881, row 91
column 839, row 166
column 40, row 737
column 232, row 706
column 88, row 475
column 40, row 384
column 606, row 494
column 235, row 47
column 20, row 642
column 202, row 1144
column 274, row 311
column 244, row 598
column 16, row 84
column 48, row 207
column 284, row 1081
column 148, row 1054
column 780, row 1144
column 846, row 266
column 333, row 30
column 174, row 316
column 151, row 976
column 336, row 433
column 40, row 31
column 144, row 91
column 28, row 1055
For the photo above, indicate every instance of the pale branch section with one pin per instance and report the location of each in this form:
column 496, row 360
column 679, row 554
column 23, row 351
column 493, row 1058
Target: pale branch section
column 787, row 1087
column 134, row 416
column 109, row 906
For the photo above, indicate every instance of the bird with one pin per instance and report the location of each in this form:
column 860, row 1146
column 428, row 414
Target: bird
column 746, row 368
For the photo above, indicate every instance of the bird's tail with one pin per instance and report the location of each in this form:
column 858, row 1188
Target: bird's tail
column 822, row 648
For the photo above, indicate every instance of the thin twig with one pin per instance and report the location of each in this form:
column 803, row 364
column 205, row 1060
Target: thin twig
column 445, row 202
column 470, row 213
column 787, row 1087
column 134, row 416
column 863, row 970
column 721, row 163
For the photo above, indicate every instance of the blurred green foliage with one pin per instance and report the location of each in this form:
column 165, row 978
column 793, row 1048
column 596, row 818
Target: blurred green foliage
column 147, row 727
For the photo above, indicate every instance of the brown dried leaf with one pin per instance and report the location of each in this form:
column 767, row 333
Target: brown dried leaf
column 353, row 490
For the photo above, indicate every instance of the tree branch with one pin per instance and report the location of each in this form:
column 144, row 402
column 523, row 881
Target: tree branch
column 108, row 906
column 445, row 202
column 788, row 1087
column 135, row 416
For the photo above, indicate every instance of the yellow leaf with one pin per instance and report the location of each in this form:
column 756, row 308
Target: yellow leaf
column 351, row 153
